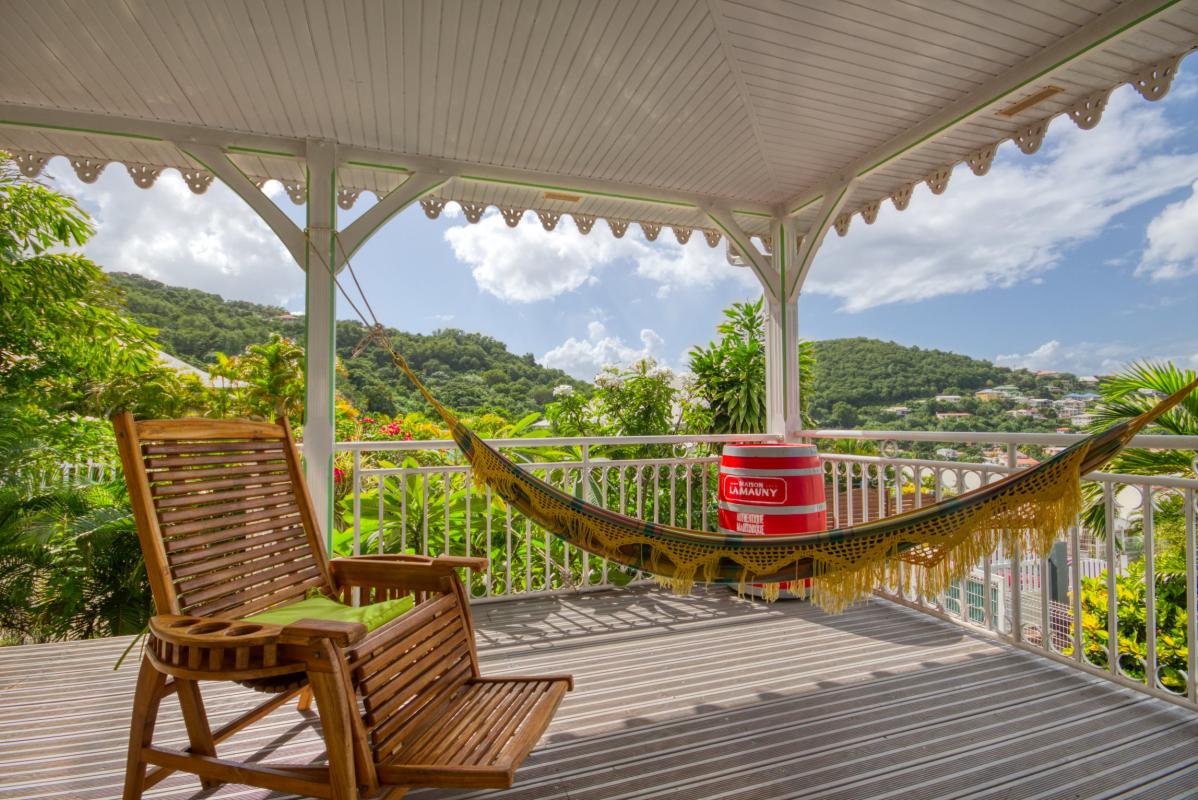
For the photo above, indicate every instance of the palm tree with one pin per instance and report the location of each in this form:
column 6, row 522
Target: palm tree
column 1128, row 394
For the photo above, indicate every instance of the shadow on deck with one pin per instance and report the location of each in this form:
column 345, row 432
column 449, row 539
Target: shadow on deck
column 705, row 696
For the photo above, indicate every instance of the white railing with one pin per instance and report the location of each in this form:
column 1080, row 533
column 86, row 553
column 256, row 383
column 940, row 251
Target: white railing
column 399, row 506
column 1035, row 603
column 434, row 509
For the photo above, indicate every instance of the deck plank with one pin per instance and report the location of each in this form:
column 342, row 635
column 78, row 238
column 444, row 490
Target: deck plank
column 703, row 696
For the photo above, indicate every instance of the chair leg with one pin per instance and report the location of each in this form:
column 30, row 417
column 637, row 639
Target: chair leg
column 305, row 699
column 147, row 698
column 195, row 719
column 335, row 725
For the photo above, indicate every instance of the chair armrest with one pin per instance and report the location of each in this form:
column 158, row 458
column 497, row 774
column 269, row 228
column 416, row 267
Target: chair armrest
column 406, row 573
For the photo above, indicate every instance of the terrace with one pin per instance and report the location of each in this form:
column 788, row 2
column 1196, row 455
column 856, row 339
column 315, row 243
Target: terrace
column 992, row 689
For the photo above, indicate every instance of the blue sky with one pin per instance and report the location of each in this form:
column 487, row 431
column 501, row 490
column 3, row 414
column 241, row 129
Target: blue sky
column 1083, row 256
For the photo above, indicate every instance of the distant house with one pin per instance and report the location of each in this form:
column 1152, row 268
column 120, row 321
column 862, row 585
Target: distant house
column 898, row 411
column 1085, row 397
column 1021, row 412
column 1025, row 461
column 987, row 395
column 1082, row 420
column 1046, row 373
column 948, row 398
column 1038, row 402
column 1088, row 379
column 948, row 453
column 1007, row 389
column 1069, row 406
column 952, row 414
column 290, row 316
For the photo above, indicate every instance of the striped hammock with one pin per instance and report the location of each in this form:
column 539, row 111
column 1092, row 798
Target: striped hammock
column 927, row 549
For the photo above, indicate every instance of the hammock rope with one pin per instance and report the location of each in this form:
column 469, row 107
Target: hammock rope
column 926, row 549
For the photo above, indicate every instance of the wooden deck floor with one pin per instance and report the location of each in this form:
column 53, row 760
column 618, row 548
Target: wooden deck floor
column 698, row 697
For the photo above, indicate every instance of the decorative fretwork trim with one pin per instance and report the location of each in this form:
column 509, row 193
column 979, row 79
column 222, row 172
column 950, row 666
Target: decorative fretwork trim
column 1154, row 82
column 902, row 196
column 980, row 160
column 433, row 206
column 584, row 222
column 1030, row 138
column 1087, row 112
column 842, row 223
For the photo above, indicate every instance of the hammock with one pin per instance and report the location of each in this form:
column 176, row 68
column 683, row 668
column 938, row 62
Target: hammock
column 928, row 548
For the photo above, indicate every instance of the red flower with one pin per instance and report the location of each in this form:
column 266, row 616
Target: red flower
column 338, row 474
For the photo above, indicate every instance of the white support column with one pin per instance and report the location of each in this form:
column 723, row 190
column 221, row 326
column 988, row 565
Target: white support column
column 320, row 329
column 782, row 341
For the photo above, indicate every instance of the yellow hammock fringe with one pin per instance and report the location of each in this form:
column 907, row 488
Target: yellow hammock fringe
column 926, row 549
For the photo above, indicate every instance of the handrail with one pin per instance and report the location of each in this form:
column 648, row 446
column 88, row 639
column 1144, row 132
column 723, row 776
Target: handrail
column 1146, row 441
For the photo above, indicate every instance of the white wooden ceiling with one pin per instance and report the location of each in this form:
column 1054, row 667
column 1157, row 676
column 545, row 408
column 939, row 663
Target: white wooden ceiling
column 755, row 105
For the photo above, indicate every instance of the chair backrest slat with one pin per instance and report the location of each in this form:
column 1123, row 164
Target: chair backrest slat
column 226, row 526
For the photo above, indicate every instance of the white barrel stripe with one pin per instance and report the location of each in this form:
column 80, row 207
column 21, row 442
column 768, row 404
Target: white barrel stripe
column 730, row 532
column 773, row 510
column 753, row 472
column 770, row 450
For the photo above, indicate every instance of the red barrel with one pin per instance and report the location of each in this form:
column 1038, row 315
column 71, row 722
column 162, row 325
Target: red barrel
column 771, row 490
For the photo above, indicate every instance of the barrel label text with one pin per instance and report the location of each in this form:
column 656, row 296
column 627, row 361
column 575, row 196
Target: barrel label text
column 763, row 491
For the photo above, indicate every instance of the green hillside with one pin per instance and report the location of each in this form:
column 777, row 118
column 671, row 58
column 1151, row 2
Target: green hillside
column 866, row 372
column 470, row 372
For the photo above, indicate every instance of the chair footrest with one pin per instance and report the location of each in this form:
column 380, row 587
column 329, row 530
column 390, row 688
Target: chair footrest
column 481, row 735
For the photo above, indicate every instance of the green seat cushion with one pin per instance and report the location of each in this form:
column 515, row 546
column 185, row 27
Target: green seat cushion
column 323, row 608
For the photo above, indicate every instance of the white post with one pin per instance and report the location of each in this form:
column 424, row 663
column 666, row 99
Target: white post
column 320, row 329
column 782, row 342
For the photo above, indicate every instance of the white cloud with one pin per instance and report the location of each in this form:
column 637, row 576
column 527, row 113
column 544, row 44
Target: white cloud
column 585, row 358
column 1015, row 223
column 1172, row 250
column 1092, row 358
column 526, row 264
column 212, row 241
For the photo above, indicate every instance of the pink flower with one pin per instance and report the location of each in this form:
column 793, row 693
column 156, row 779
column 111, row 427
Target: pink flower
column 338, row 475
column 368, row 420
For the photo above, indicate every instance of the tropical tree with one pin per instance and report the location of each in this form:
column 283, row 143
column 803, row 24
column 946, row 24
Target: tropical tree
column 61, row 328
column 70, row 564
column 1128, row 394
column 730, row 372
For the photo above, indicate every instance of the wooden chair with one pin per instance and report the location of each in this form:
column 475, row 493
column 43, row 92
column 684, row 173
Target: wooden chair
column 227, row 530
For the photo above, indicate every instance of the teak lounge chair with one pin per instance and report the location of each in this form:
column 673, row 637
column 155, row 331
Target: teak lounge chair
column 228, row 531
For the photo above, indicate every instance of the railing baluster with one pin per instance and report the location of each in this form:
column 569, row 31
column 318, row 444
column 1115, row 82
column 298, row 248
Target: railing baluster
column 380, row 530
column 1149, row 588
column 488, row 579
column 1112, row 608
column 424, row 515
column 1045, row 606
column 1191, row 597
column 508, row 590
column 357, row 502
column 403, row 511
column 1016, row 580
column 468, row 487
column 1075, row 592
column 445, row 536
